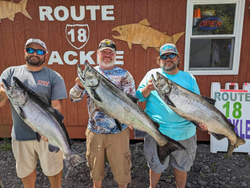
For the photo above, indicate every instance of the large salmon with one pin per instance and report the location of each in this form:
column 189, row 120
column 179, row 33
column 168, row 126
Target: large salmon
column 123, row 108
column 197, row 109
column 44, row 120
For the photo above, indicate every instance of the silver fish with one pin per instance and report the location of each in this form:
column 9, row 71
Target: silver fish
column 197, row 109
column 44, row 120
column 123, row 108
column 10, row 9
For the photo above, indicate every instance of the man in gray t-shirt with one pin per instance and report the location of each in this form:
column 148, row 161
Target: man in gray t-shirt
column 51, row 87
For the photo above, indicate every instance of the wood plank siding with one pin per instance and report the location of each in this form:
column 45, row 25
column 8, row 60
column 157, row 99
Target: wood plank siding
column 163, row 15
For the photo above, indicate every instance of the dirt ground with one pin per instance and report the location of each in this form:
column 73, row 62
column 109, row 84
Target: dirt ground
column 209, row 170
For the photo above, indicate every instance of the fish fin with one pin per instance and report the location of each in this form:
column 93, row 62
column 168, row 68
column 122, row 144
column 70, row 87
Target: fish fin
column 210, row 100
column 68, row 164
column 53, row 148
column 230, row 149
column 157, row 49
column 11, row 17
column 129, row 45
column 145, row 22
column 38, row 137
column 119, row 125
column 133, row 98
column 165, row 33
column 144, row 46
column 21, row 113
column 96, row 96
column 176, row 37
column 60, row 116
column 169, row 102
column 157, row 124
column 218, row 136
column 164, row 151
column 23, row 5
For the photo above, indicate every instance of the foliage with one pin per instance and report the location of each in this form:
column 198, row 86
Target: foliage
column 6, row 145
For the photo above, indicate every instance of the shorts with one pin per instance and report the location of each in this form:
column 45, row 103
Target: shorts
column 113, row 146
column 179, row 159
column 26, row 154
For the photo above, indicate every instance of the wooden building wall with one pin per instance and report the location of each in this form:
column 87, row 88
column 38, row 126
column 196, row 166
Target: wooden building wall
column 163, row 15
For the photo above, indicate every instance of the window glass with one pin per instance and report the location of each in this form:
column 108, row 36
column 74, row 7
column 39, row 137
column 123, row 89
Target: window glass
column 213, row 19
column 211, row 53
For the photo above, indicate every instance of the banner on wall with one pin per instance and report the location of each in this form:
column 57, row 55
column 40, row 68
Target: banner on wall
column 235, row 105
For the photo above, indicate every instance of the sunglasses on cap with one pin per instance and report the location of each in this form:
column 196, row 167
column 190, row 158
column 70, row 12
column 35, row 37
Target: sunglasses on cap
column 107, row 45
column 164, row 57
column 38, row 51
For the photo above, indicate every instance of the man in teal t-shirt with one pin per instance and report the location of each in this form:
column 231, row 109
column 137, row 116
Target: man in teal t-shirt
column 170, row 123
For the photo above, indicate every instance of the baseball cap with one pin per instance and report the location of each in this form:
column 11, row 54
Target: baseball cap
column 168, row 48
column 107, row 44
column 36, row 41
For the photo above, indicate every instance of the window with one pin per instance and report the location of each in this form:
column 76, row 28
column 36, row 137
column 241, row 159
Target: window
column 213, row 36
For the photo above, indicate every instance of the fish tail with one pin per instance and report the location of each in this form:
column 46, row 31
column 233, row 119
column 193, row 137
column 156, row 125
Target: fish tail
column 176, row 37
column 164, row 151
column 231, row 147
column 23, row 5
column 68, row 164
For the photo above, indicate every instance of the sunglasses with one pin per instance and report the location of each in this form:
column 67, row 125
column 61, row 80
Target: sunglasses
column 171, row 56
column 32, row 50
column 107, row 45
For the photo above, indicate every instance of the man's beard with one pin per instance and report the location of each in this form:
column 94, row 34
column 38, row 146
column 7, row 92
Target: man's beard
column 35, row 63
column 107, row 65
column 167, row 69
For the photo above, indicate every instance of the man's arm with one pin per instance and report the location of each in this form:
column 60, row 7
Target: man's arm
column 57, row 104
column 3, row 96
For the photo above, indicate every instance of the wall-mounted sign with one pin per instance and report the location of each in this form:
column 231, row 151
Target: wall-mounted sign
column 235, row 105
column 9, row 9
column 209, row 23
column 140, row 33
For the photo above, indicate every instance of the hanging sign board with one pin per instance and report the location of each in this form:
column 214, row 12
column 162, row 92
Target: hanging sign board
column 235, row 105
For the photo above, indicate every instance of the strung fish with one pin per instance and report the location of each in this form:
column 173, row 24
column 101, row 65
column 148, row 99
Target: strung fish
column 197, row 109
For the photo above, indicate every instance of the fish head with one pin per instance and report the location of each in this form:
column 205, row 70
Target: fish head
column 162, row 83
column 123, row 31
column 88, row 77
column 16, row 93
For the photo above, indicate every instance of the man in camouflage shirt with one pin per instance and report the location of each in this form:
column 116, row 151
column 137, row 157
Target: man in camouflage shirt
column 104, row 139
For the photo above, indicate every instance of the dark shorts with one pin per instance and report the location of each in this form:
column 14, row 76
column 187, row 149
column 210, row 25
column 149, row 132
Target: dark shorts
column 179, row 159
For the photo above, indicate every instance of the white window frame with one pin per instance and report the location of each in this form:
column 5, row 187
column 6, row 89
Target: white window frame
column 237, row 35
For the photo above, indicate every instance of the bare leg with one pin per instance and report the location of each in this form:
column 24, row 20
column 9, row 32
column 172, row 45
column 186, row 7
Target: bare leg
column 122, row 186
column 30, row 180
column 180, row 177
column 56, row 180
column 97, row 184
column 154, row 178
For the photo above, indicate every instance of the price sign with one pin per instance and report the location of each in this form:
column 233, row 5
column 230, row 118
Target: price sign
column 235, row 105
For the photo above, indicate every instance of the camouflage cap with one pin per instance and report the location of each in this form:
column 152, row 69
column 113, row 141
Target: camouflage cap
column 168, row 48
column 107, row 44
column 36, row 41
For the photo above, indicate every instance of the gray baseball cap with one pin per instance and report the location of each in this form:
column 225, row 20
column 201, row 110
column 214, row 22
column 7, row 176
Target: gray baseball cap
column 36, row 41
column 168, row 48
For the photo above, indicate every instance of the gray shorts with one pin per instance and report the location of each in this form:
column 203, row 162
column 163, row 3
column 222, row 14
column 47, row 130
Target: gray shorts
column 179, row 159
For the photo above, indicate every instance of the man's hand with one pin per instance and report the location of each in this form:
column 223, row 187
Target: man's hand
column 203, row 127
column 147, row 89
column 130, row 127
column 44, row 138
column 77, row 80
column 150, row 86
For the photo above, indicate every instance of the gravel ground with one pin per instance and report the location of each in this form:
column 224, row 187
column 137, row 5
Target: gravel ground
column 209, row 170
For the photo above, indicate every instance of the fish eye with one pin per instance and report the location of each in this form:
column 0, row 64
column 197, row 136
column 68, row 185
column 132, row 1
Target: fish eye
column 120, row 29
